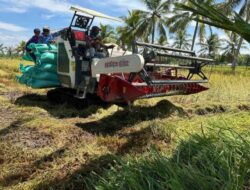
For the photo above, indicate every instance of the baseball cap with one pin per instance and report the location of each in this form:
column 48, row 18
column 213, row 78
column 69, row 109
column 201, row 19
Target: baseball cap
column 46, row 28
column 95, row 28
column 36, row 30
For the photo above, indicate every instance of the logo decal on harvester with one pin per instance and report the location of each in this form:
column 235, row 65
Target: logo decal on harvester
column 122, row 63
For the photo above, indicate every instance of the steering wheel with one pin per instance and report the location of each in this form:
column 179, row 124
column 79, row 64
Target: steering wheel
column 105, row 50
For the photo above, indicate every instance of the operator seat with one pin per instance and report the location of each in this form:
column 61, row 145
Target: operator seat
column 78, row 41
column 80, row 36
column 77, row 37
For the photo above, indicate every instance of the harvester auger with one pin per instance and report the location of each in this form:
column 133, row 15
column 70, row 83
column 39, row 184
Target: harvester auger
column 145, row 73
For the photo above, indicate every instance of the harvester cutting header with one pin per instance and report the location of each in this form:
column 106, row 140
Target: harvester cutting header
column 86, row 68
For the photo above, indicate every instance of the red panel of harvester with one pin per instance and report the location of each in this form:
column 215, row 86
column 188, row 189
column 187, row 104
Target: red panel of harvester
column 117, row 89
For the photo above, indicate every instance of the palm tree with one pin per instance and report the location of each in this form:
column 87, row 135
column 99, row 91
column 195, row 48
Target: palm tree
column 152, row 22
column 217, row 19
column 211, row 46
column 234, row 22
column 127, row 33
column 21, row 47
column 182, row 20
column 245, row 13
column 162, row 41
column 231, row 43
column 107, row 34
column 181, row 40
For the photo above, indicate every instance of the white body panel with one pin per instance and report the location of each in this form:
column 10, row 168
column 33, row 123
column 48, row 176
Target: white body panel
column 121, row 64
column 71, row 73
column 117, row 51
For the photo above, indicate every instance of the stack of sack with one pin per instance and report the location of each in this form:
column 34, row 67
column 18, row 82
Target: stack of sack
column 43, row 74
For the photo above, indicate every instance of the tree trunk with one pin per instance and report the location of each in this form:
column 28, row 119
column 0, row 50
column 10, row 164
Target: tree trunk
column 236, row 55
column 194, row 36
column 211, row 30
column 153, row 34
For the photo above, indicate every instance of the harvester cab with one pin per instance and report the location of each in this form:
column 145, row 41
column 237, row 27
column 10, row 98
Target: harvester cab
column 77, row 68
column 74, row 60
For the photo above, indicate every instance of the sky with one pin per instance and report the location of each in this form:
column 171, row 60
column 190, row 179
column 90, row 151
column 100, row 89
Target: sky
column 18, row 18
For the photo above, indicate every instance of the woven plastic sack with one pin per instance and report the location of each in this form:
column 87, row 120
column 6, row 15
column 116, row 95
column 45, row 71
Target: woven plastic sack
column 43, row 74
column 48, row 58
column 48, row 67
column 37, row 84
column 27, row 57
column 26, row 69
column 42, row 48
column 23, row 79
column 36, row 74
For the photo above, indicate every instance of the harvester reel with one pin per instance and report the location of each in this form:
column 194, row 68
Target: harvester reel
column 197, row 70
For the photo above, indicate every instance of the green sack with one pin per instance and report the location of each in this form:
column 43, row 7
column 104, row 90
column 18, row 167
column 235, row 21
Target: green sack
column 48, row 58
column 27, row 57
column 44, row 75
column 26, row 69
column 38, row 84
column 22, row 79
column 48, row 67
column 41, row 48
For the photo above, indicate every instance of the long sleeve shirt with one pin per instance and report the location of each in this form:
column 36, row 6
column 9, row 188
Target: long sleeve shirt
column 34, row 40
column 47, row 39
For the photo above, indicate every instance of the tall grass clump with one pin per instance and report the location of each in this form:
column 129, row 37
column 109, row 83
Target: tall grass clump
column 218, row 160
column 225, row 88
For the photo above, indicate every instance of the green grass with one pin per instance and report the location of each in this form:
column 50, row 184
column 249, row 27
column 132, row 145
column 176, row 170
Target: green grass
column 182, row 142
column 217, row 160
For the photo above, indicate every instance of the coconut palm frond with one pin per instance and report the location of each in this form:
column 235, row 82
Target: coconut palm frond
column 218, row 19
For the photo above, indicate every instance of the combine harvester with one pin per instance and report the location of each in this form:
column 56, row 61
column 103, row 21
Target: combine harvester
column 121, row 79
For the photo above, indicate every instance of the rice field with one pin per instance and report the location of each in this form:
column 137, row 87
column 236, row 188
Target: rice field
column 182, row 142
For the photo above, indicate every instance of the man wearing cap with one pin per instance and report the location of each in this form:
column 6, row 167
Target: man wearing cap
column 46, row 37
column 35, row 40
column 96, row 43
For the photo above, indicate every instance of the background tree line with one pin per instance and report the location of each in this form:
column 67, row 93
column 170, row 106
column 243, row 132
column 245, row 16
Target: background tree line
column 12, row 52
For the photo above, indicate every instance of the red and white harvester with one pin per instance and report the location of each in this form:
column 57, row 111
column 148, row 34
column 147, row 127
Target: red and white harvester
column 145, row 73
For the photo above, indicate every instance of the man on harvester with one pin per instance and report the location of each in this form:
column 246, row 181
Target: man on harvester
column 46, row 37
column 96, row 45
column 35, row 40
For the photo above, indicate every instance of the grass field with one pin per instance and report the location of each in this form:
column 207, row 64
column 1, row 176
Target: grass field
column 183, row 142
